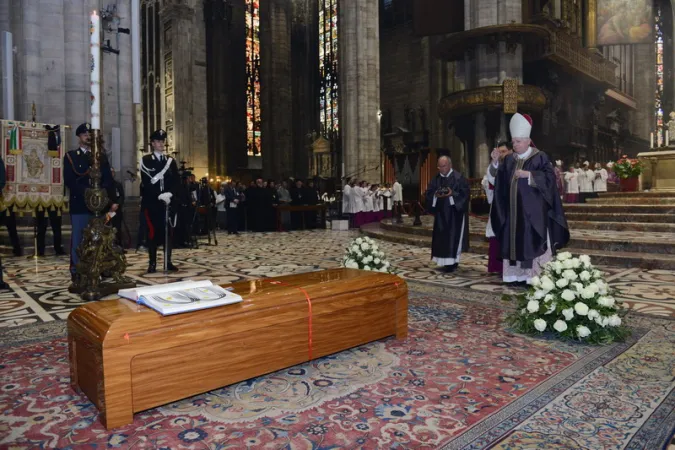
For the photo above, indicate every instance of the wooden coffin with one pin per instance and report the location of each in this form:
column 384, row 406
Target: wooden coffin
column 128, row 358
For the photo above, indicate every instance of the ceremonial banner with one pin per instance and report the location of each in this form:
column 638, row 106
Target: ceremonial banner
column 625, row 22
column 33, row 155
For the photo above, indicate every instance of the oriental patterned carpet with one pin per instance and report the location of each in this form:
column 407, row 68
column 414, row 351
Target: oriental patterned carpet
column 460, row 380
column 39, row 287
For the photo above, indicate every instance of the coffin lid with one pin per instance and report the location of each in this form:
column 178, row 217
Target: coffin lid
column 110, row 320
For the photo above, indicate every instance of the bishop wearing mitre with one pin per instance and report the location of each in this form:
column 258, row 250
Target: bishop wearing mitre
column 527, row 215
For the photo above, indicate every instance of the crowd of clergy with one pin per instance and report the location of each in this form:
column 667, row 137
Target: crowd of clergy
column 582, row 181
column 365, row 203
column 526, row 225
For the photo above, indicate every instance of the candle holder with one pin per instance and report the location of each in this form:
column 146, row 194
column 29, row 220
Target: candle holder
column 99, row 255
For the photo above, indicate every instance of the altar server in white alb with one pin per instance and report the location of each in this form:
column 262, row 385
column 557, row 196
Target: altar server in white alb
column 346, row 194
column 572, row 186
column 385, row 196
column 600, row 181
column 397, row 200
column 586, row 177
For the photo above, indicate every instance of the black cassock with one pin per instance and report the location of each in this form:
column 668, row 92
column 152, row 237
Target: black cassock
column 451, row 222
column 524, row 215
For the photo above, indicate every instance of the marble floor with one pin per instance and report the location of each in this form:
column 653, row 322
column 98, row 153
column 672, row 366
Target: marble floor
column 39, row 287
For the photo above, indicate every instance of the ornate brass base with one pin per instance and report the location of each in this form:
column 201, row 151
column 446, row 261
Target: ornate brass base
column 98, row 255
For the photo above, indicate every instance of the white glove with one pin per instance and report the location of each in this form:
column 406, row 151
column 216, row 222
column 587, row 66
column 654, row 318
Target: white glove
column 165, row 197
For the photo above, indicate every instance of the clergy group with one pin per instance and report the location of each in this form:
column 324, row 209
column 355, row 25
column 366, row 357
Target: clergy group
column 526, row 224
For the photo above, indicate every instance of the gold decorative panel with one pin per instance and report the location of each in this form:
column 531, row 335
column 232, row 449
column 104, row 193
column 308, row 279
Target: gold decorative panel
column 510, row 96
column 529, row 98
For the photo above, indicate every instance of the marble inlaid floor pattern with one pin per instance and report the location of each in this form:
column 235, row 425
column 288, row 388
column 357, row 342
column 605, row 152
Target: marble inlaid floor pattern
column 39, row 288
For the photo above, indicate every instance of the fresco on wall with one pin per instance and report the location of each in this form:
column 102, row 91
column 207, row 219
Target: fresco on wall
column 625, row 22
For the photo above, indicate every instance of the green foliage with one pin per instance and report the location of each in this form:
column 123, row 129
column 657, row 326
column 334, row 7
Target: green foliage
column 627, row 167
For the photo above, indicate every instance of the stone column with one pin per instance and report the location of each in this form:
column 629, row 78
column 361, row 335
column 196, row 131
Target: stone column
column 181, row 17
column 5, row 25
column 124, row 101
column 30, row 61
column 76, row 52
column 199, row 128
column 5, row 16
column 482, row 148
column 348, row 87
column 491, row 65
column 359, row 88
column 304, row 54
column 276, row 102
column 372, row 158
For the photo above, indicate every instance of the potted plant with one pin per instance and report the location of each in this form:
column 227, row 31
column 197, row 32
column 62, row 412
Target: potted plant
column 628, row 170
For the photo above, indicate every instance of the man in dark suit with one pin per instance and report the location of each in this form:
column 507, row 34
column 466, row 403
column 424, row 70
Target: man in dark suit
column 233, row 198
column 76, row 166
column 160, row 181
column 54, row 215
column 116, row 194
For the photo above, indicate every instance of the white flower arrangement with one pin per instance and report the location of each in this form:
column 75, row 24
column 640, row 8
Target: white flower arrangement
column 572, row 300
column 364, row 253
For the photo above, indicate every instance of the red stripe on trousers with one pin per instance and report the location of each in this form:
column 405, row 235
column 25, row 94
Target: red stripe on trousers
column 151, row 228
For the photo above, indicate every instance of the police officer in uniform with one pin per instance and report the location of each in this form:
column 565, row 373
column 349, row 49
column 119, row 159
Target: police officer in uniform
column 54, row 215
column 159, row 183
column 76, row 166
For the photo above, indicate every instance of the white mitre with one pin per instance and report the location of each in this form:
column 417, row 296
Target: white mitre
column 519, row 126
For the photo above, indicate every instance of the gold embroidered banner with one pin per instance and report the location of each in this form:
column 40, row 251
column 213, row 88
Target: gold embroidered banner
column 33, row 156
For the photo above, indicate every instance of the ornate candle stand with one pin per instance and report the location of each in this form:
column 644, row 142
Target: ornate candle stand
column 99, row 255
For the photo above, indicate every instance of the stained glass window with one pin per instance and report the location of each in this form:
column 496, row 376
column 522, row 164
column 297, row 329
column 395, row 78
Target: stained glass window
column 253, row 77
column 658, row 32
column 328, row 66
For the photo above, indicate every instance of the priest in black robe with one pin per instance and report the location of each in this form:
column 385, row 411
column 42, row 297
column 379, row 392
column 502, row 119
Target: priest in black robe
column 447, row 198
column 527, row 215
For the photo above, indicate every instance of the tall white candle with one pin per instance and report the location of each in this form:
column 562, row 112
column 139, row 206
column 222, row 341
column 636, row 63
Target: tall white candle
column 651, row 140
column 95, row 66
